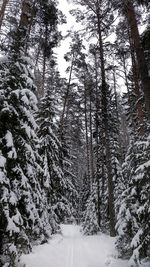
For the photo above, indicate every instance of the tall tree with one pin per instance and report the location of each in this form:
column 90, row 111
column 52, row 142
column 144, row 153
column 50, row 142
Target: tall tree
column 99, row 10
column 129, row 12
column 22, row 208
column 2, row 11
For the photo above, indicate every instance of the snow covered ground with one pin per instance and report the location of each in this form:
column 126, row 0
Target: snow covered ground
column 72, row 249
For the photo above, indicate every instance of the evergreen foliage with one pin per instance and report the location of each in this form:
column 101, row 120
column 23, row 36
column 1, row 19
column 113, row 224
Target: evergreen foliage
column 79, row 151
column 90, row 224
column 55, row 181
column 20, row 156
column 133, row 218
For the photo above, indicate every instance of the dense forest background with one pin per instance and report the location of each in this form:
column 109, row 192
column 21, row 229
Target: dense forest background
column 74, row 150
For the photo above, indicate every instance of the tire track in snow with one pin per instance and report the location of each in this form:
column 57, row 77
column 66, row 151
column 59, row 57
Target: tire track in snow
column 74, row 250
column 70, row 255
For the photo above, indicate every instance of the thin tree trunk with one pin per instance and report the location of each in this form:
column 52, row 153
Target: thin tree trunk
column 86, row 134
column 125, row 73
column 44, row 59
column 97, row 148
column 38, row 50
column 2, row 11
column 142, row 65
column 91, row 142
column 128, row 93
column 115, row 92
column 43, row 74
column 66, row 96
column 105, row 125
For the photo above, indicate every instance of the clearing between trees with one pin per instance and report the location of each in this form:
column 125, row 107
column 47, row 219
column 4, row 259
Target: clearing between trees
column 72, row 249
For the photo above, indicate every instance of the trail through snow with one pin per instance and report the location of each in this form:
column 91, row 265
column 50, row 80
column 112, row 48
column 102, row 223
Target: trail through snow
column 72, row 249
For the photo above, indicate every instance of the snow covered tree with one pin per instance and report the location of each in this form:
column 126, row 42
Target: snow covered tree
column 21, row 199
column 18, row 146
column 90, row 223
column 45, row 36
column 68, row 157
column 58, row 182
column 133, row 218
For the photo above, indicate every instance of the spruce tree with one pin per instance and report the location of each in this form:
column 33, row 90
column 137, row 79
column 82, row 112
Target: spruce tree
column 90, row 223
column 22, row 206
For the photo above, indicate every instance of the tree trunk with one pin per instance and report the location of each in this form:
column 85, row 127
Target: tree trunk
column 97, row 149
column 115, row 93
column 139, row 110
column 66, row 97
column 22, row 32
column 142, row 65
column 2, row 11
column 105, row 126
column 91, row 142
column 43, row 74
column 86, row 134
column 44, row 59
column 128, row 94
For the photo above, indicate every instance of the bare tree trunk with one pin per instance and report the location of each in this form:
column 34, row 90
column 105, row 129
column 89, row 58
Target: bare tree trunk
column 105, row 125
column 22, row 32
column 115, row 92
column 44, row 59
column 91, row 142
column 43, row 74
column 38, row 52
column 2, row 11
column 66, row 96
column 142, row 65
column 25, row 18
column 86, row 134
column 128, row 93
column 97, row 148
column 140, row 113
column 125, row 73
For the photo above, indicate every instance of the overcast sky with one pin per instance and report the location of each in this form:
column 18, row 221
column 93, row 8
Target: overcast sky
column 65, row 6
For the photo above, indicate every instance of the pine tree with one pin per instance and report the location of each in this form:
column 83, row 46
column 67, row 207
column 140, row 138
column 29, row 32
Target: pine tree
column 45, row 36
column 128, row 10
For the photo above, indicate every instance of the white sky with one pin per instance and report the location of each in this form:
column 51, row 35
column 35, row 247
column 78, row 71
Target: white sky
column 65, row 6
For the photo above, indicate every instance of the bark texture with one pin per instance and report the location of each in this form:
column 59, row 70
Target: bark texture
column 142, row 65
column 2, row 11
column 105, row 125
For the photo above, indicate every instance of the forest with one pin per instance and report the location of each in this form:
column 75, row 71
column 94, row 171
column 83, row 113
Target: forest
column 75, row 149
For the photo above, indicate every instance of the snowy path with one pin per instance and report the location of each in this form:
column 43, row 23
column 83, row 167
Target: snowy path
column 71, row 249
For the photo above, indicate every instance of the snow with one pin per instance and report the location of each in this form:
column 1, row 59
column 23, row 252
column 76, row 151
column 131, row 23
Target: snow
column 72, row 249
column 9, row 139
column 11, row 227
column 10, row 144
column 136, row 238
column 143, row 166
column 13, row 198
column 2, row 161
